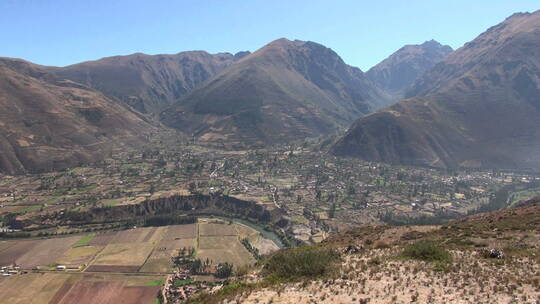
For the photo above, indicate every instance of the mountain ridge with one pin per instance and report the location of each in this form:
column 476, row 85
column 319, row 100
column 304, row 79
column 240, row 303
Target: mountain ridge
column 50, row 123
column 305, row 85
column 401, row 69
column 476, row 108
column 148, row 83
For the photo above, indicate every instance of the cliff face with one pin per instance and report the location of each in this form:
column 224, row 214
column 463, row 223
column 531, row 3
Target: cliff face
column 177, row 204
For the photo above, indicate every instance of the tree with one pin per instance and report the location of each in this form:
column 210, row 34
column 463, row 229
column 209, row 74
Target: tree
column 192, row 187
column 332, row 211
column 351, row 190
column 224, row 270
column 318, row 195
column 196, row 266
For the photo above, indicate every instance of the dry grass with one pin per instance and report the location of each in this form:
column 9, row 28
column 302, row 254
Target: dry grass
column 469, row 279
column 133, row 254
column 447, row 269
column 79, row 255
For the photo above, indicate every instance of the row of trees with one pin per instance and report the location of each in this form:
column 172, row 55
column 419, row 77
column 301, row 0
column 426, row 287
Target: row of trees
column 186, row 260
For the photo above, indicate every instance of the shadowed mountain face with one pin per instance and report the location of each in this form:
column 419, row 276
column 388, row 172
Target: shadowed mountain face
column 398, row 72
column 479, row 107
column 47, row 123
column 148, row 82
column 286, row 90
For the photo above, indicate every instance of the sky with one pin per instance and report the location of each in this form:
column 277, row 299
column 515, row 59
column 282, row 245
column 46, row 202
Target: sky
column 63, row 32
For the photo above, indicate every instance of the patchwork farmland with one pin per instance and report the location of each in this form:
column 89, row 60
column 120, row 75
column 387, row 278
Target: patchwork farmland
column 111, row 265
column 78, row 288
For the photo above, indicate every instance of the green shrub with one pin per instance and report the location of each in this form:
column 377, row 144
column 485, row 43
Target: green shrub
column 85, row 240
column 427, row 251
column 154, row 283
column 441, row 267
column 300, row 262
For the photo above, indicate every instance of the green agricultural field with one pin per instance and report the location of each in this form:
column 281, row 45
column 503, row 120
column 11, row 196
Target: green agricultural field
column 159, row 282
column 524, row 195
column 85, row 240
column 111, row 203
column 31, row 208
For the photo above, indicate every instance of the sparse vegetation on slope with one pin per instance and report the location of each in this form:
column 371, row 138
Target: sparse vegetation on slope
column 436, row 268
column 299, row 263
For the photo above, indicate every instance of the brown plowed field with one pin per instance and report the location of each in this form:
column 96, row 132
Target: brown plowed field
column 14, row 252
column 90, row 292
column 136, row 294
column 176, row 244
column 61, row 293
column 30, row 288
column 105, row 292
column 180, row 232
column 46, row 252
column 102, row 239
column 150, row 234
column 130, row 236
column 212, row 229
column 5, row 245
column 129, row 254
column 111, row 268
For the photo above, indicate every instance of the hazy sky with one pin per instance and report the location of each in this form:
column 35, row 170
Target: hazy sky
column 62, row 32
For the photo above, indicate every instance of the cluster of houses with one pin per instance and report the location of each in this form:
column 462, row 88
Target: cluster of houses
column 173, row 295
column 7, row 271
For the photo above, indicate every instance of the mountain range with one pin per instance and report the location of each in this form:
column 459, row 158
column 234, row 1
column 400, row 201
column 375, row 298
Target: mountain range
column 478, row 107
column 424, row 105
